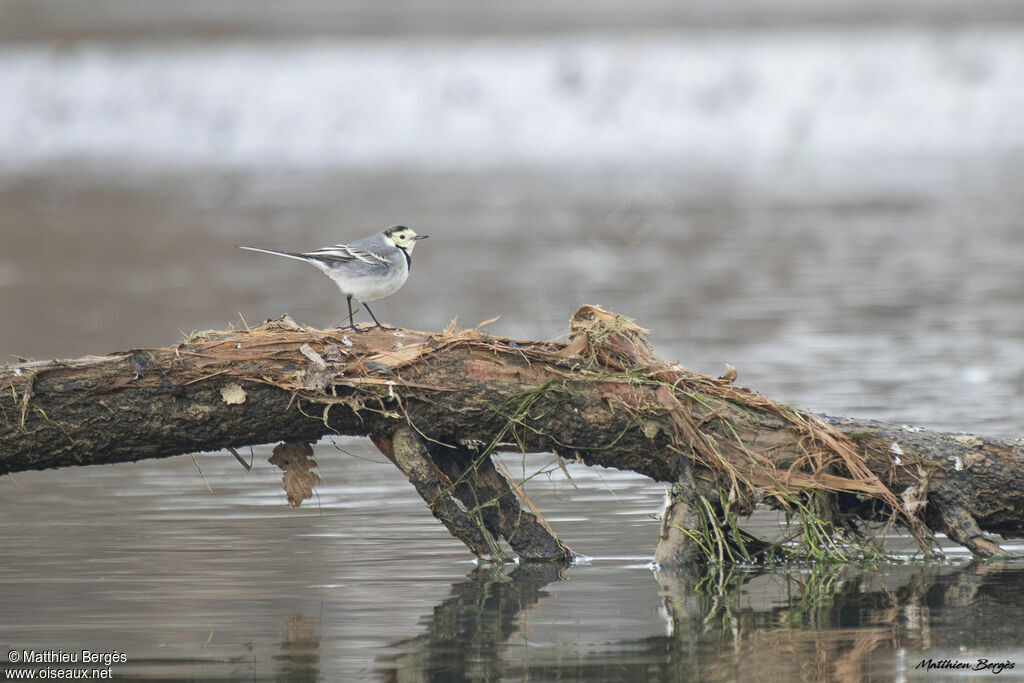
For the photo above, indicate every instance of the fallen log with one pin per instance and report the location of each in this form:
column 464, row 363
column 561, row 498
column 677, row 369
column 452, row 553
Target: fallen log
column 440, row 404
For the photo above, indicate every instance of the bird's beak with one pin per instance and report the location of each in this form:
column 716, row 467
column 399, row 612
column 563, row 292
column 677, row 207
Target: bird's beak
column 421, row 237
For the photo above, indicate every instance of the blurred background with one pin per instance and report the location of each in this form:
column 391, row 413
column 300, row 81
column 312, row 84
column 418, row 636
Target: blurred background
column 826, row 195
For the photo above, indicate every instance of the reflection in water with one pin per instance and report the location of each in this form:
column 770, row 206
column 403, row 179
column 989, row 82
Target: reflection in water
column 465, row 633
column 834, row 622
column 300, row 650
column 842, row 623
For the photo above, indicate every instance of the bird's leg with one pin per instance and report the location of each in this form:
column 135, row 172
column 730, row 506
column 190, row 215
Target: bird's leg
column 351, row 324
column 375, row 318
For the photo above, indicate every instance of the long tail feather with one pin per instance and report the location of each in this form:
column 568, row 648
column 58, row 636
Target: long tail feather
column 289, row 254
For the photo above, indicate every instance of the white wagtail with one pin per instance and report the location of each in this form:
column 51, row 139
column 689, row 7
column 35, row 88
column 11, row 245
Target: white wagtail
column 365, row 270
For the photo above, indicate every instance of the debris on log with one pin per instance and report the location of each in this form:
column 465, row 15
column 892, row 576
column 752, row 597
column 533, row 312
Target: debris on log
column 440, row 404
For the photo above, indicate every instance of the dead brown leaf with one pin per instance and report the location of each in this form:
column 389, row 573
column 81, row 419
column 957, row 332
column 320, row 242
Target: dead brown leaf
column 296, row 459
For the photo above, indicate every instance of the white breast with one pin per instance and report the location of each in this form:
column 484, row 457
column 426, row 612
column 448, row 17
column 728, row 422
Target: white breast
column 371, row 288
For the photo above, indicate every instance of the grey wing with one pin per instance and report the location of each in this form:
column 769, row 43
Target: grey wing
column 342, row 253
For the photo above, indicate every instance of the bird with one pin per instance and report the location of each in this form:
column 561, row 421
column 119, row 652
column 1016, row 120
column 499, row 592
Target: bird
column 368, row 269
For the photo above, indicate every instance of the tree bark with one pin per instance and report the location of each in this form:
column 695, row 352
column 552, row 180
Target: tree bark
column 451, row 399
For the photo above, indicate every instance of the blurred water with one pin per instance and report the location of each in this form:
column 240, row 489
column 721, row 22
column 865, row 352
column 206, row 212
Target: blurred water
column 834, row 211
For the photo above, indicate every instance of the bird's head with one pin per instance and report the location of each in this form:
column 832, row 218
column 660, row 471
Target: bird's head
column 402, row 237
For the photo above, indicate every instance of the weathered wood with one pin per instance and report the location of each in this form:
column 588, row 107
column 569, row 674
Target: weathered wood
column 436, row 489
column 603, row 398
column 475, row 503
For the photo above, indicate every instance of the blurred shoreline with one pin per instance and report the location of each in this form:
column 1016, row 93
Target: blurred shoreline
column 221, row 20
column 872, row 103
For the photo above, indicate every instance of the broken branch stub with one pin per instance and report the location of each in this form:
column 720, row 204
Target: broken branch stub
column 474, row 502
